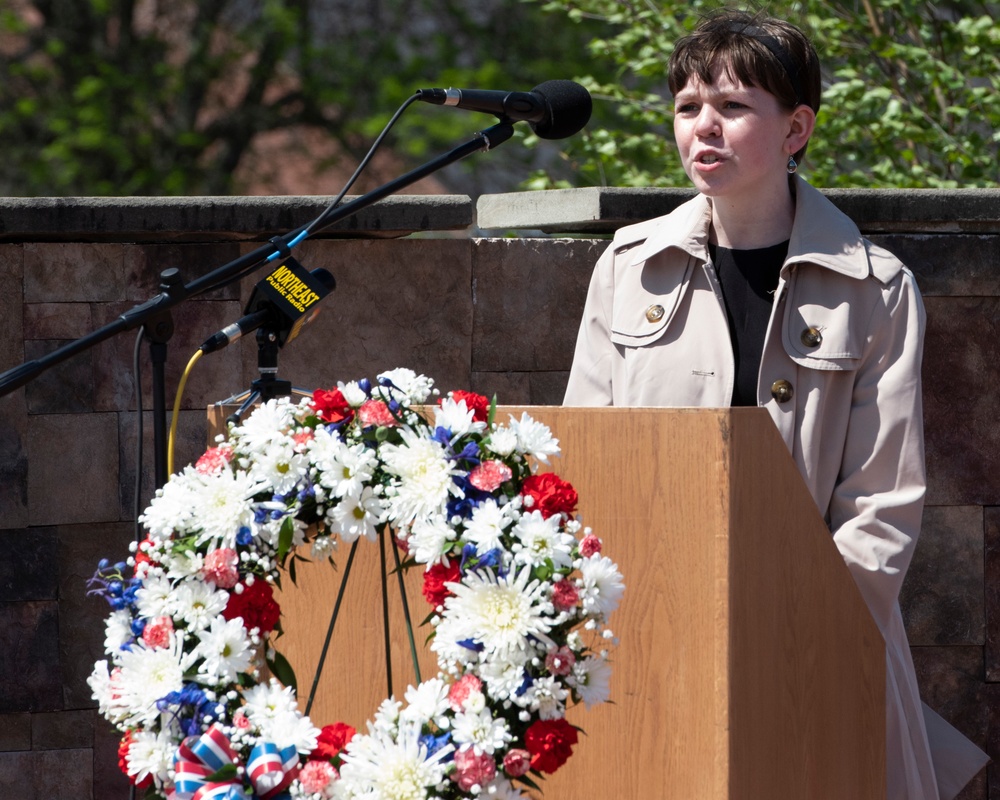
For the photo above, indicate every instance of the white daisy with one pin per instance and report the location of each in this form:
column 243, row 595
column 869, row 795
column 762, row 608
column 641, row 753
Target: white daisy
column 343, row 469
column 353, row 393
column 430, row 540
column 268, row 423
column 591, row 677
column 225, row 649
column 280, row 467
column 427, row 702
column 425, row 477
column 540, row 539
column 480, row 730
column 198, row 603
column 414, row 388
column 499, row 613
column 356, row 515
column 534, row 438
column 601, row 585
column 155, row 598
column 117, row 630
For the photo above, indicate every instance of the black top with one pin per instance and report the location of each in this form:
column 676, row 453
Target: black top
column 748, row 279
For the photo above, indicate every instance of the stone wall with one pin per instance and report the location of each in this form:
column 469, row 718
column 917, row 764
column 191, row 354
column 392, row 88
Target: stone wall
column 498, row 315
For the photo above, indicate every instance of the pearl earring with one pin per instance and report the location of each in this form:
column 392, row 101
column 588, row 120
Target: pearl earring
column 792, row 166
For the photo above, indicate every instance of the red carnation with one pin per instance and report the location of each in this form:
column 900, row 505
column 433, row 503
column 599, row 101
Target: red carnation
column 550, row 494
column 256, row 605
column 550, row 742
column 476, row 403
column 435, row 578
column 332, row 740
column 330, row 406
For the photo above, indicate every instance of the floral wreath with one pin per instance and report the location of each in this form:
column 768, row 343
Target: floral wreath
column 520, row 592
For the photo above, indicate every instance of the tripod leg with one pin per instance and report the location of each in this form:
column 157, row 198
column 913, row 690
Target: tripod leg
column 406, row 612
column 385, row 610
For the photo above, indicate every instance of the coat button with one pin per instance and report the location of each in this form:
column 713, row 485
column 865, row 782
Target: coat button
column 781, row 390
column 811, row 337
column 654, row 313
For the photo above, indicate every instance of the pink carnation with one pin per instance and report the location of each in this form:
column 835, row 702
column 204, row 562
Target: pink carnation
column 590, row 545
column 461, row 689
column 158, row 631
column 472, row 769
column 220, row 567
column 517, row 762
column 565, row 595
column 301, row 439
column 375, row 412
column 240, row 721
column 560, row 662
column 489, row 475
column 215, row 459
column 315, row 776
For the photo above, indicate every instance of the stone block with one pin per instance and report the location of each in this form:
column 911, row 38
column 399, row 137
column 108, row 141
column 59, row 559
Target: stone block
column 62, row 730
column 145, row 263
column 109, row 781
column 951, row 682
column 529, row 302
column 15, row 733
column 81, row 618
column 522, row 388
column 16, row 776
column 943, row 595
column 30, row 677
column 67, row 387
column 958, row 265
column 13, row 460
column 398, row 303
column 30, row 568
column 73, row 468
column 57, row 320
column 961, row 387
column 992, row 584
column 63, row 774
column 11, row 306
column 73, row 272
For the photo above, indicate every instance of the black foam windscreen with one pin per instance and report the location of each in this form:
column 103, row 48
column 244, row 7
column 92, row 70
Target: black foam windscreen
column 569, row 107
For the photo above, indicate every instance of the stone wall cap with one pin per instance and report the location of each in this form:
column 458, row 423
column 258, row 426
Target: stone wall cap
column 198, row 219
column 598, row 210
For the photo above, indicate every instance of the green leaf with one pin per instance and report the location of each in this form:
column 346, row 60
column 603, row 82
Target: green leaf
column 282, row 670
column 285, row 538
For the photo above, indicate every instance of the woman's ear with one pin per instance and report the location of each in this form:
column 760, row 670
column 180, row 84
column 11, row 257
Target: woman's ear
column 802, row 121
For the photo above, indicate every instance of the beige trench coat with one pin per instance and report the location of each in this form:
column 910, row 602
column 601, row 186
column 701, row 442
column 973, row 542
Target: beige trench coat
column 840, row 376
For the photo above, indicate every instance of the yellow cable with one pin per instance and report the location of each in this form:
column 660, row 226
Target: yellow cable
column 177, row 410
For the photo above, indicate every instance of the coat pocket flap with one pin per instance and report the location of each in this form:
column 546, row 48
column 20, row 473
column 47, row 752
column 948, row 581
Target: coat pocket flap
column 646, row 297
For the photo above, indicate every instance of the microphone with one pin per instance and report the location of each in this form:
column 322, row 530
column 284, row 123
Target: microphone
column 554, row 109
column 284, row 302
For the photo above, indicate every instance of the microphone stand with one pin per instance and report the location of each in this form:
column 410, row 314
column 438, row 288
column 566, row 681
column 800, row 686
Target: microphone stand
column 154, row 314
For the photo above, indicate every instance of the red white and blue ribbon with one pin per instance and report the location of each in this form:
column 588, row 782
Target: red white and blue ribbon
column 198, row 758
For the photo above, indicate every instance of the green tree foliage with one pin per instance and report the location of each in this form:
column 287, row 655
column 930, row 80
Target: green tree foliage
column 119, row 97
column 911, row 91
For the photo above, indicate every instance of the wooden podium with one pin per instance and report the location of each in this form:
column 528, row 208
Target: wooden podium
column 749, row 666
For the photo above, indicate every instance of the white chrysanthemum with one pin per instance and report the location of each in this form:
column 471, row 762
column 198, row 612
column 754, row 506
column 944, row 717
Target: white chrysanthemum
column 269, row 423
column 322, row 547
column 486, row 527
column 280, row 467
column 151, row 754
column 503, row 680
column 591, row 677
column 117, row 630
column 147, row 675
column 343, row 469
column 172, row 507
column 225, row 649
column 430, row 540
column 180, row 564
column 425, row 477
column 480, row 730
column 540, row 539
column 427, row 702
column 502, row 441
column 266, row 701
column 534, row 438
column 223, row 503
column 155, row 598
column 499, row 613
column 104, row 686
column 386, row 717
column 356, row 515
column 381, row 767
column 546, row 696
column 457, row 418
column 198, row 603
column 415, row 388
column 500, row 788
column 601, row 585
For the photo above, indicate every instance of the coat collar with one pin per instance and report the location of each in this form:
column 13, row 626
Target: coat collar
column 821, row 233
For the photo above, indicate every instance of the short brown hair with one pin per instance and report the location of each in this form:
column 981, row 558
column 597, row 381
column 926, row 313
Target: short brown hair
column 756, row 50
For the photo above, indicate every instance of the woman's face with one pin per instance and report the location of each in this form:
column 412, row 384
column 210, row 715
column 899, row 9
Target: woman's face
column 733, row 139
